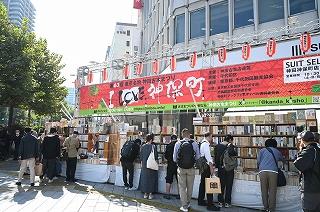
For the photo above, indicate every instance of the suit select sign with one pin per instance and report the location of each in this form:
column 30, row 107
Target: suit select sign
column 268, row 83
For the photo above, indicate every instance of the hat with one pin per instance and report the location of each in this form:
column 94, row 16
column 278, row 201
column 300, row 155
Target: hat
column 174, row 137
column 307, row 136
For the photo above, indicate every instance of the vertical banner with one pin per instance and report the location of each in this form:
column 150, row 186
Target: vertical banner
column 271, row 47
column 222, row 54
column 305, row 42
column 246, row 50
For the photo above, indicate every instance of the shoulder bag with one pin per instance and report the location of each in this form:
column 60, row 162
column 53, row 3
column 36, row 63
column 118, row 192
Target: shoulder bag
column 151, row 161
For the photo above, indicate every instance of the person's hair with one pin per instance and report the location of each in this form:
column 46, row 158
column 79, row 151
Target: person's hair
column 271, row 142
column 138, row 141
column 228, row 138
column 150, row 137
column 27, row 130
column 53, row 130
column 174, row 137
column 316, row 137
column 207, row 134
column 76, row 132
column 185, row 132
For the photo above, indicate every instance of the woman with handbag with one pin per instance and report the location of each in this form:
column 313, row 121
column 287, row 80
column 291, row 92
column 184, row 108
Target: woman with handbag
column 268, row 158
column 149, row 168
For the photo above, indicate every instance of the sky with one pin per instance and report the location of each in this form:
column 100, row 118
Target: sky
column 80, row 30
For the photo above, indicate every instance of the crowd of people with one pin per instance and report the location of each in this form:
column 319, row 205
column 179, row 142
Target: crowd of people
column 182, row 155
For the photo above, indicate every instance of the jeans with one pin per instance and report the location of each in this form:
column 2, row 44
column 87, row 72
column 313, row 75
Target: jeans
column 71, row 169
column 127, row 167
column 226, row 179
column 23, row 168
column 49, row 167
column 202, row 188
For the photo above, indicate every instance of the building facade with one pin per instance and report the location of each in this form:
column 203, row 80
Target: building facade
column 125, row 45
column 180, row 27
column 20, row 9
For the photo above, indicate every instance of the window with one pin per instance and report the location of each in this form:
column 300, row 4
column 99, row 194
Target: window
column 270, row 10
column 219, row 21
column 135, row 48
column 128, row 32
column 128, row 43
column 298, row 6
column 197, row 23
column 179, row 27
column 243, row 13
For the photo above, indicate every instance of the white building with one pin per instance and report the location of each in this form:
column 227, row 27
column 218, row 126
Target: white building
column 182, row 26
column 125, row 45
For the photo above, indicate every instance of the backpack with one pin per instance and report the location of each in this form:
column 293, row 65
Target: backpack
column 186, row 155
column 228, row 162
column 201, row 163
column 126, row 151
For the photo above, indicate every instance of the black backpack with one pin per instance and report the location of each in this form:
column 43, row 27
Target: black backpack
column 126, row 151
column 186, row 155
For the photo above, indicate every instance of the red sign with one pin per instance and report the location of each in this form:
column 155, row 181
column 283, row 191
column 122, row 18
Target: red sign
column 173, row 63
column 262, row 83
column 90, row 77
column 222, row 54
column 193, row 59
column 155, row 66
column 104, row 74
column 246, row 49
column 271, row 47
column 126, row 71
column 305, row 42
column 137, row 4
column 139, row 68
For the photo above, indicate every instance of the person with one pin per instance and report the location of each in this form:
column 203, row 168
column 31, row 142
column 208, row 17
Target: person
column 28, row 154
column 95, row 141
column 72, row 143
column 308, row 163
column 129, row 153
column 185, row 153
column 226, row 177
column 171, row 166
column 207, row 173
column 148, row 178
column 50, row 153
column 16, row 140
column 268, row 173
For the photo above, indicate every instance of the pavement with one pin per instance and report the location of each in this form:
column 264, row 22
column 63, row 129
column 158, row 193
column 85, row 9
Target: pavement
column 80, row 196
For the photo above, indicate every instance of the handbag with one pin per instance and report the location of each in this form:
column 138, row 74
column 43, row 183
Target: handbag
column 151, row 161
column 38, row 169
column 281, row 181
column 213, row 185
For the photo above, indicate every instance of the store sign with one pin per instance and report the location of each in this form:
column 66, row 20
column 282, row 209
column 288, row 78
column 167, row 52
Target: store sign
column 267, row 83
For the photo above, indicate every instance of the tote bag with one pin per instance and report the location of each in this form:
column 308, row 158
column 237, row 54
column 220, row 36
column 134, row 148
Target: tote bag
column 213, row 185
column 151, row 161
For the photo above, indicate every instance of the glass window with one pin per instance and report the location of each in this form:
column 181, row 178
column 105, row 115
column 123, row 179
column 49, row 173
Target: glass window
column 128, row 32
column 270, row 10
column 298, row 6
column 179, row 27
column 219, row 21
column 128, row 43
column 197, row 23
column 243, row 13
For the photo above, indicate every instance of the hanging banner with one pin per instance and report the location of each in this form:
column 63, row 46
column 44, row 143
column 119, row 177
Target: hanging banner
column 173, row 63
column 291, row 82
column 90, row 77
column 155, row 67
column 126, row 71
column 305, row 42
column 104, row 74
column 139, row 68
column 193, row 59
column 222, row 54
column 246, row 50
column 137, row 4
column 271, row 47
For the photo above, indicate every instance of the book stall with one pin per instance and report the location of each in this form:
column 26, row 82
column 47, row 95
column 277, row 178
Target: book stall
column 202, row 101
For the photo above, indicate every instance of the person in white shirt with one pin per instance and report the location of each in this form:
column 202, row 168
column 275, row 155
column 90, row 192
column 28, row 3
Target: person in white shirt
column 207, row 173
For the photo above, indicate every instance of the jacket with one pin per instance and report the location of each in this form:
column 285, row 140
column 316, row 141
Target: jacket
column 51, row 147
column 219, row 150
column 72, row 145
column 266, row 161
column 29, row 147
column 308, row 162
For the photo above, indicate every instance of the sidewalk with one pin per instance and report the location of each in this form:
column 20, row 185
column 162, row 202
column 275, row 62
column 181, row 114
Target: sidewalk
column 80, row 196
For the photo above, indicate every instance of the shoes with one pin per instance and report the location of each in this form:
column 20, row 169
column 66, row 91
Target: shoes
column 126, row 188
column 18, row 183
column 213, row 208
column 55, row 178
column 184, row 209
column 132, row 189
column 32, row 184
column 145, row 196
column 220, row 204
column 227, row 205
column 150, row 196
column 189, row 206
column 202, row 203
column 50, row 181
column 167, row 197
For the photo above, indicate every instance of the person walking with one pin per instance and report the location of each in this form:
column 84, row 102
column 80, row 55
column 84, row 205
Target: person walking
column 129, row 153
column 185, row 154
column 308, row 163
column 223, row 151
column 72, row 143
column 16, row 140
column 28, row 153
column 148, row 178
column 207, row 173
column 50, row 153
column 268, row 173
column 171, row 166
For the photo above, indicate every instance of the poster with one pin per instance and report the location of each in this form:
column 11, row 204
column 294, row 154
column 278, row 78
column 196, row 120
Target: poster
column 246, row 85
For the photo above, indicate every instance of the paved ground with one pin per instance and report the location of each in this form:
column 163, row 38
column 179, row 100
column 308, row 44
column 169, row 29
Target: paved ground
column 80, row 196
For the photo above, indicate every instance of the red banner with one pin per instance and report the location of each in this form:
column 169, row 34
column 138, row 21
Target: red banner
column 137, row 4
column 266, row 80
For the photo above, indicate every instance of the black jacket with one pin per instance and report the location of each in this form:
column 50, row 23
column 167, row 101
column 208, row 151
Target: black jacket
column 168, row 154
column 308, row 162
column 51, row 147
column 29, row 147
column 219, row 150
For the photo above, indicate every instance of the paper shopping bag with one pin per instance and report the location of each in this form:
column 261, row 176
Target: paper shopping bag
column 38, row 169
column 213, row 185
